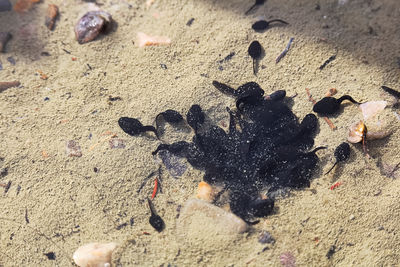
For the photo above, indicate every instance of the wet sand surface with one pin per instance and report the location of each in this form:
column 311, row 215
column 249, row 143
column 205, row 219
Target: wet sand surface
column 57, row 203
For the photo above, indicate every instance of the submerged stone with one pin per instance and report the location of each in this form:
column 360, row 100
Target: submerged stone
column 211, row 219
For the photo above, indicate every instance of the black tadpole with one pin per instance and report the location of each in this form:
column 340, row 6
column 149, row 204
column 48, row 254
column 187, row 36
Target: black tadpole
column 255, row 50
column 330, row 105
column 391, row 91
column 155, row 220
column 257, row 3
column 263, row 24
column 195, row 117
column 134, row 127
column 171, row 116
column 223, row 88
column 277, row 95
column 342, row 153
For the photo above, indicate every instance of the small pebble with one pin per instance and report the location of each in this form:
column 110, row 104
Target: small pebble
column 46, row 99
column 163, row 66
column 50, row 255
column 146, row 40
column 11, row 60
column 5, row 85
column 266, row 238
column 73, row 149
column 94, row 254
column 51, row 16
column 5, row 5
column 352, row 217
column 116, row 143
column 287, row 259
column 190, row 22
column 91, row 25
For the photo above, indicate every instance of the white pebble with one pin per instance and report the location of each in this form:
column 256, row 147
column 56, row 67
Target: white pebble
column 94, row 255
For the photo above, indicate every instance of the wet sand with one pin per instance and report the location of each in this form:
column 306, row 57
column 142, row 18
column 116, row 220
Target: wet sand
column 68, row 204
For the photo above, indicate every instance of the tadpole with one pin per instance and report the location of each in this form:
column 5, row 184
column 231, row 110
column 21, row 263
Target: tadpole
column 155, row 220
column 342, row 153
column 330, row 105
column 255, row 50
column 277, row 95
column 195, row 117
column 263, row 24
column 257, row 3
column 134, row 127
column 171, row 116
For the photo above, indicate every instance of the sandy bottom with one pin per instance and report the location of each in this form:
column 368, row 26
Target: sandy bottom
column 68, row 204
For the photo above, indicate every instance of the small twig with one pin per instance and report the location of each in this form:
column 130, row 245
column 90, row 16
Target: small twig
column 6, row 186
column 328, row 121
column 5, row 85
column 145, row 180
column 284, row 51
column 102, row 140
column 330, row 59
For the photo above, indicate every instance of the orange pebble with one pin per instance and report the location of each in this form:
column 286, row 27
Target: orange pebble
column 147, row 40
column 205, row 192
column 22, row 6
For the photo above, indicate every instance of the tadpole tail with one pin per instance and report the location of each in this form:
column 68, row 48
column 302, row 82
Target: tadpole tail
column 150, row 128
column 232, row 124
column 319, row 148
column 255, row 66
column 250, row 9
column 278, row 20
column 391, row 91
column 159, row 148
column 223, row 88
column 331, row 168
column 347, row 97
column 157, row 123
column 153, row 212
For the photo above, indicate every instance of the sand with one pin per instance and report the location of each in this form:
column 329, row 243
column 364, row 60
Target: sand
column 68, row 204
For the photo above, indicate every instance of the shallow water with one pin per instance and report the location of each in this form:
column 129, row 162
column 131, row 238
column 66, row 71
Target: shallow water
column 56, row 203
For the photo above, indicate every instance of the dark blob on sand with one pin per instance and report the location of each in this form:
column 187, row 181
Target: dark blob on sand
column 255, row 50
column 342, row 153
column 330, row 105
column 264, row 149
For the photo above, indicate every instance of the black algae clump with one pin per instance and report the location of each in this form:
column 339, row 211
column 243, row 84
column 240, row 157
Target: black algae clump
column 265, row 148
column 342, row 153
column 330, row 105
